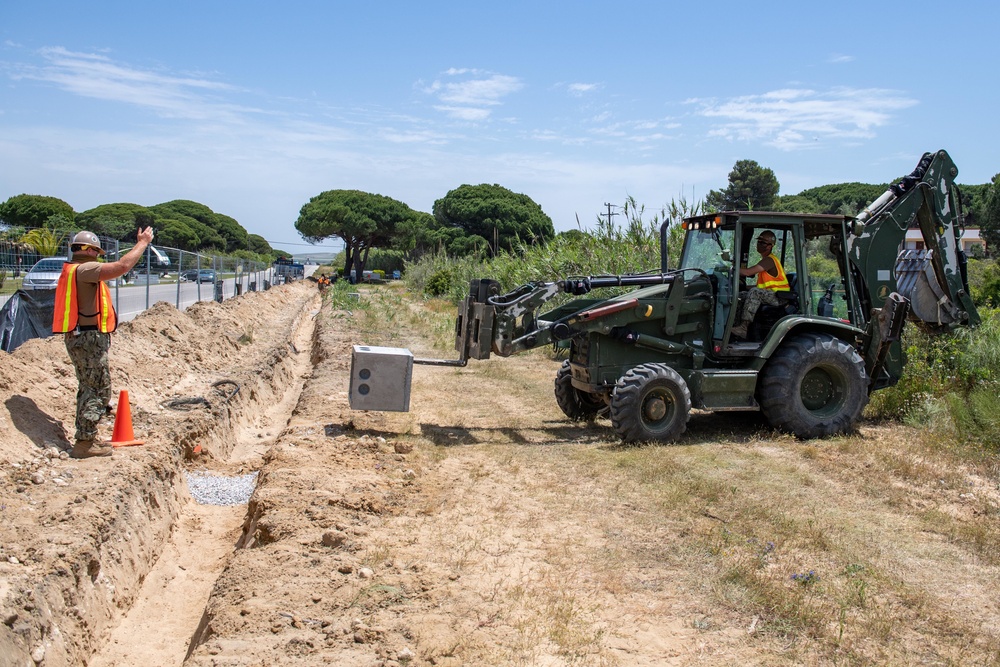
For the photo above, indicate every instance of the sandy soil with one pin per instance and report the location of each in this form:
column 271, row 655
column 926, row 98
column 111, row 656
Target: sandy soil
column 463, row 532
column 78, row 539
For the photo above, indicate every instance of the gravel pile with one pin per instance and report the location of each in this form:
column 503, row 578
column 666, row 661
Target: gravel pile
column 219, row 490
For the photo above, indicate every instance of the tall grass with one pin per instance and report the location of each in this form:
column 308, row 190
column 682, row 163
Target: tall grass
column 950, row 384
column 608, row 249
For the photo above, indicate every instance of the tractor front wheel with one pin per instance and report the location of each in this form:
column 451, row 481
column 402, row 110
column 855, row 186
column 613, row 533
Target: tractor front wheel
column 575, row 404
column 650, row 402
column 815, row 385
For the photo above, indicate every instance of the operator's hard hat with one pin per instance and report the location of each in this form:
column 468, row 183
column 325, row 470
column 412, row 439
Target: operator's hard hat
column 87, row 238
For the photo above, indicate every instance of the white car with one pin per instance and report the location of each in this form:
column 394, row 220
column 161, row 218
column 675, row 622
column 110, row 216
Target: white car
column 44, row 274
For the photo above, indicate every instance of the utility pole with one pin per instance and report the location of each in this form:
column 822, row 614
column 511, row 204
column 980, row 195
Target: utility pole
column 610, row 213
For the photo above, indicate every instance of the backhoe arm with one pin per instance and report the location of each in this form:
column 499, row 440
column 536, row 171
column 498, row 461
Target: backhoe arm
column 933, row 279
column 928, row 286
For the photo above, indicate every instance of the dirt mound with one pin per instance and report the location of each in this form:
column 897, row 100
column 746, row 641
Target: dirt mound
column 78, row 537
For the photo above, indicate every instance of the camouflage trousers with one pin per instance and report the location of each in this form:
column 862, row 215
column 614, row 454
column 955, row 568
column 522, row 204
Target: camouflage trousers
column 89, row 352
column 754, row 298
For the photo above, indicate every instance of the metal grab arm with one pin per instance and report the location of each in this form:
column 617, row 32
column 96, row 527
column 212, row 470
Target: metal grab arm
column 441, row 362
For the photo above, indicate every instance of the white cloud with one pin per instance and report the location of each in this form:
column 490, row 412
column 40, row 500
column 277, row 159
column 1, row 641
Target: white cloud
column 480, row 91
column 796, row 118
column 464, row 113
column 579, row 89
column 97, row 76
column 457, row 71
column 838, row 58
column 414, row 137
column 637, row 131
column 471, row 98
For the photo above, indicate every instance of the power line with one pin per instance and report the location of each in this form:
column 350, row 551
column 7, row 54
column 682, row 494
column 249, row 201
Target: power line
column 310, row 245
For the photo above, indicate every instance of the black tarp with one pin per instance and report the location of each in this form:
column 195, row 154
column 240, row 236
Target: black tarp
column 26, row 315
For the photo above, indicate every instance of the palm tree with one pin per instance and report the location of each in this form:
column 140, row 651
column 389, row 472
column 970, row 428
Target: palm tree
column 45, row 242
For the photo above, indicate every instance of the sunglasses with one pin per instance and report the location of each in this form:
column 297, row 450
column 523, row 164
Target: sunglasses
column 759, row 241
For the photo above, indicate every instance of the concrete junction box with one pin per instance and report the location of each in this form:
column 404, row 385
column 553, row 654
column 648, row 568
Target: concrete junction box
column 380, row 378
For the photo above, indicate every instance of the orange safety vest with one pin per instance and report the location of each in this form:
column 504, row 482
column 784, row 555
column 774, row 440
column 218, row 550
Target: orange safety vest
column 66, row 313
column 777, row 283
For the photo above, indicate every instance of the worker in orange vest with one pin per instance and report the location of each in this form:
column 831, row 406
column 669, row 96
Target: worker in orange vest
column 86, row 316
column 771, row 278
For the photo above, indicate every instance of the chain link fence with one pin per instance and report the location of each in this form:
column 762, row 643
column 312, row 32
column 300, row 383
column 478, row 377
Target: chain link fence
column 176, row 276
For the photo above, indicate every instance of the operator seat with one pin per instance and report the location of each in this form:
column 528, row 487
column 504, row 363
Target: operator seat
column 767, row 316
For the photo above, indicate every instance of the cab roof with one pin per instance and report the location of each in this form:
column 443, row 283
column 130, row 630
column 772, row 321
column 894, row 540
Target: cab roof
column 815, row 224
column 763, row 217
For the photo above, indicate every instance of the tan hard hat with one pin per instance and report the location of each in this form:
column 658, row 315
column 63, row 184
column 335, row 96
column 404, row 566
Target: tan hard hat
column 87, row 238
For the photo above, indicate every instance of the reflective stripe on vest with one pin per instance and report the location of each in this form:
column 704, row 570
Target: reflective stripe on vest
column 66, row 313
column 777, row 283
column 106, row 320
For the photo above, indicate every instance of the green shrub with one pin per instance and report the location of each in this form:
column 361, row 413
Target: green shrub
column 440, row 282
column 984, row 282
column 385, row 260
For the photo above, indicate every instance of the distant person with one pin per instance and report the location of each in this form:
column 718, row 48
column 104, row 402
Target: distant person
column 771, row 278
column 86, row 316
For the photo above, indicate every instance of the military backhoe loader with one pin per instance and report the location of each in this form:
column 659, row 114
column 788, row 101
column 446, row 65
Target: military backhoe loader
column 646, row 357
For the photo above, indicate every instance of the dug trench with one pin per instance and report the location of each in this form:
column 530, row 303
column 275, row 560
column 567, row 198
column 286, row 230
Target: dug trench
column 109, row 560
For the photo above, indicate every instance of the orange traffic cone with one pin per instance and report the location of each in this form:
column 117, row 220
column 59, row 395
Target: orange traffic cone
column 122, row 436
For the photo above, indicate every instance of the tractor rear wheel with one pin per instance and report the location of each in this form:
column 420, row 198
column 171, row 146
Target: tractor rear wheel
column 650, row 402
column 575, row 404
column 815, row 385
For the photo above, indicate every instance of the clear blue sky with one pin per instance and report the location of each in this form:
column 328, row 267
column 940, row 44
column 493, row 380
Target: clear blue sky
column 252, row 108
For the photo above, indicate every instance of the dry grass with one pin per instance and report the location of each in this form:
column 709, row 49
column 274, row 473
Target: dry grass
column 880, row 548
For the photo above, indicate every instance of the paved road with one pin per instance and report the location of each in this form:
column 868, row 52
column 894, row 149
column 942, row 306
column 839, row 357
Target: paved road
column 133, row 299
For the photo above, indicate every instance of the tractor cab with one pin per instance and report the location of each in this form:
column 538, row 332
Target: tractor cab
column 719, row 244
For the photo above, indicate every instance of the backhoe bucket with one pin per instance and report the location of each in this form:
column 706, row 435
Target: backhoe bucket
column 930, row 303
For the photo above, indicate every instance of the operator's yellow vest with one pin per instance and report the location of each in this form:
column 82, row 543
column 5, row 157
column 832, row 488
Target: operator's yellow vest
column 777, row 283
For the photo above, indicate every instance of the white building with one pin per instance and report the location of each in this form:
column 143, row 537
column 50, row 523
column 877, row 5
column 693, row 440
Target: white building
column 915, row 240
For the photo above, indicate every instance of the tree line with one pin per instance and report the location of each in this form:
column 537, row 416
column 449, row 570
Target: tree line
column 485, row 219
column 182, row 224
column 754, row 187
column 470, row 219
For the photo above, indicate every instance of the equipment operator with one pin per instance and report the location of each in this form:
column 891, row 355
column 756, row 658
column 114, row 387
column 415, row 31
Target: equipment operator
column 771, row 278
